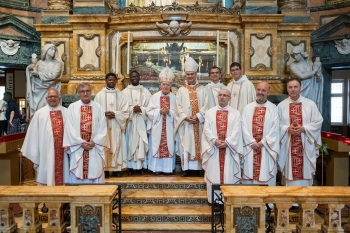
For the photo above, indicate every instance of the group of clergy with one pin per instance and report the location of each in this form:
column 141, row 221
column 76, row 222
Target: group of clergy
column 234, row 133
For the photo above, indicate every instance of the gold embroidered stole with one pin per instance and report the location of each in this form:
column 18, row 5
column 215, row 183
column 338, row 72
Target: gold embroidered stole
column 221, row 128
column 296, row 118
column 85, row 133
column 163, row 147
column 195, row 109
column 57, row 132
column 258, row 130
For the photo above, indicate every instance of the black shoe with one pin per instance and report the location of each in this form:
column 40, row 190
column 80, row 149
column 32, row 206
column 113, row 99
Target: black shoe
column 157, row 173
column 185, row 173
column 142, row 171
column 200, row 173
column 106, row 174
column 116, row 174
column 130, row 172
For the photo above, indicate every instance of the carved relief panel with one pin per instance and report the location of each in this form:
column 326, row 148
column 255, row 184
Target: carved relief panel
column 261, row 51
column 89, row 52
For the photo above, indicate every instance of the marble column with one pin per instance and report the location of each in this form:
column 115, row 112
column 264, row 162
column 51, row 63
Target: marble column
column 281, row 221
column 306, row 218
column 7, row 220
column 30, row 218
column 332, row 218
column 55, row 221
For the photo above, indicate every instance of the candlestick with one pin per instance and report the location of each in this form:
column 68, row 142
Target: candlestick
column 116, row 55
column 228, row 52
column 217, row 47
column 128, row 55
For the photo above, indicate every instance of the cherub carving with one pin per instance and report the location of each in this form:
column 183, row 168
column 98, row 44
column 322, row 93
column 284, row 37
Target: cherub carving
column 174, row 28
column 9, row 47
column 343, row 46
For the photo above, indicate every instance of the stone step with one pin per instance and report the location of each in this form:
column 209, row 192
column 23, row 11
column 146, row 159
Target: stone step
column 164, row 197
column 166, row 214
column 177, row 227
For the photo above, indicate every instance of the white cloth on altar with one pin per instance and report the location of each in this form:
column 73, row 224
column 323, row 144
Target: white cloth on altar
column 115, row 101
column 73, row 140
column 242, row 93
column 213, row 92
column 210, row 153
column 270, row 140
column 154, row 127
column 311, row 139
column 136, row 129
column 184, row 131
column 38, row 146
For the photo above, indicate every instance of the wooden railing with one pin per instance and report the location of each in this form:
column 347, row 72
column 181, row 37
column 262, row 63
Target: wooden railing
column 245, row 208
column 90, row 206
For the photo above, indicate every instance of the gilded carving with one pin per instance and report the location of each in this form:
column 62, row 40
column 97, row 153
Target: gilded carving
column 98, row 51
column 174, row 28
column 79, row 52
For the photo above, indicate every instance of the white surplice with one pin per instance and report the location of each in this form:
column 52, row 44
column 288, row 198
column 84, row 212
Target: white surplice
column 311, row 140
column 38, row 146
column 213, row 92
column 115, row 101
column 184, row 132
column 136, row 130
column 270, row 141
column 154, row 127
column 210, row 153
column 73, row 140
column 242, row 93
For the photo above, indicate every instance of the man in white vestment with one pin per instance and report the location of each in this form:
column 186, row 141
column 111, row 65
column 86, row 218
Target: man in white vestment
column 43, row 142
column 160, row 112
column 214, row 86
column 115, row 106
column 191, row 105
column 136, row 130
column 260, row 127
column 300, row 136
column 242, row 90
column 85, row 134
column 222, row 144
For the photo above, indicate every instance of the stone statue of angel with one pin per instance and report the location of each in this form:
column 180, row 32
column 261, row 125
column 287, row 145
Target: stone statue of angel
column 174, row 28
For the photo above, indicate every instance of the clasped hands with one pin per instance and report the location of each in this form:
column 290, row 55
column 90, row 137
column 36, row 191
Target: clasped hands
column 137, row 109
column 256, row 145
column 88, row 145
column 192, row 119
column 221, row 144
column 110, row 114
column 296, row 130
column 164, row 111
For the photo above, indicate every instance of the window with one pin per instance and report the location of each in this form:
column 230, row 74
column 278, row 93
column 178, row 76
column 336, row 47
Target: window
column 337, row 91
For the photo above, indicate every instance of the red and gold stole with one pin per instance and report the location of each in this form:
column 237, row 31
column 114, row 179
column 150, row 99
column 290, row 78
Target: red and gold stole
column 221, row 128
column 57, row 131
column 258, row 130
column 85, row 133
column 296, row 118
column 163, row 147
column 195, row 109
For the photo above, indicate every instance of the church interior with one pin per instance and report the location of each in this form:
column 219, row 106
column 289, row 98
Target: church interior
column 95, row 37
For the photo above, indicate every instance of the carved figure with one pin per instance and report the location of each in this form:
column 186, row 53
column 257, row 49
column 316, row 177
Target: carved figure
column 9, row 47
column 310, row 74
column 174, row 47
column 174, row 28
column 41, row 76
column 343, row 46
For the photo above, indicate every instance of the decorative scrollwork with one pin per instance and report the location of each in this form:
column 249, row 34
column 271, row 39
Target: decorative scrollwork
column 79, row 52
column 260, row 35
column 174, row 7
column 89, row 67
column 251, row 51
column 89, row 36
column 270, row 51
column 98, row 51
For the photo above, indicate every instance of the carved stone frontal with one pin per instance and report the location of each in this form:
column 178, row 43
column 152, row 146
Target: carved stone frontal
column 246, row 219
column 89, row 218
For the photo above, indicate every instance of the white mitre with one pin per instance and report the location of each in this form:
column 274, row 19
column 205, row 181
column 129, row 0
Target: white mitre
column 191, row 65
column 166, row 75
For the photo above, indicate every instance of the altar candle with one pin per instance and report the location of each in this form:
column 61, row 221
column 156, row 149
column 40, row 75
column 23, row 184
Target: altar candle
column 228, row 52
column 128, row 55
column 116, row 54
column 217, row 47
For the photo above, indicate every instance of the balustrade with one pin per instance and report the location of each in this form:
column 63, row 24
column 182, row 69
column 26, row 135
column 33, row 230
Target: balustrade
column 91, row 207
column 245, row 208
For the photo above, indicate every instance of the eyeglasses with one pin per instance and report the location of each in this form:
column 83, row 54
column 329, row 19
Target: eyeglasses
column 224, row 95
column 53, row 97
column 85, row 92
column 214, row 72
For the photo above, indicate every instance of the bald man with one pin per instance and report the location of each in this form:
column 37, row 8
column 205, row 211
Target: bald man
column 260, row 126
column 222, row 144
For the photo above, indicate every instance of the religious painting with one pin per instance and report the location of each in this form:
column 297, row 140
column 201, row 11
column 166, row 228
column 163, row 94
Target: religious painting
column 149, row 59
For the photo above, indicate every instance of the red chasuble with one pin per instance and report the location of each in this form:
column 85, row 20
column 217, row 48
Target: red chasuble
column 163, row 147
column 195, row 109
column 85, row 133
column 258, row 130
column 57, row 131
column 221, row 128
column 296, row 118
